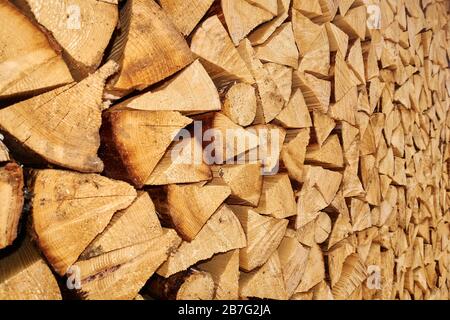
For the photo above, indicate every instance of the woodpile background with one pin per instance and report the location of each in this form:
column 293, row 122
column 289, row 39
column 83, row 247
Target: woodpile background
column 93, row 205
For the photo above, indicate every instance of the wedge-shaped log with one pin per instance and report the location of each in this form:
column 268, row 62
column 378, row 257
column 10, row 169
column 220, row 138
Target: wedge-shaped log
column 219, row 56
column 352, row 276
column 282, row 75
column 11, row 198
column 189, row 207
column 277, row 198
column 266, row 282
column 280, row 47
column 146, row 57
column 24, row 275
column 223, row 139
column 222, row 233
column 82, row 28
column 353, row 22
column 133, row 141
column 133, row 225
column 264, row 235
column 242, row 17
column 70, row 209
column 294, row 152
column 317, row 92
column 262, row 33
column 182, row 163
column 191, row 91
column 29, row 63
column 329, row 155
column 60, row 126
column 314, row 271
column 244, row 180
column 295, row 115
column 121, row 273
column 317, row 59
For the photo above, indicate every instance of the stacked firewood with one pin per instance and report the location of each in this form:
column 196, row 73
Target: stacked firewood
column 231, row 149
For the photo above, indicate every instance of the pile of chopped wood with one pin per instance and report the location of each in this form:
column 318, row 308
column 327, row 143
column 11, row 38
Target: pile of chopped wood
column 203, row 149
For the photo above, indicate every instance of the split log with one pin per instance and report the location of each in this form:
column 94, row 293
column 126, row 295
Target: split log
column 182, row 163
column 70, row 209
column 241, row 17
column 88, row 26
column 224, row 140
column 317, row 92
column 270, row 139
column 69, row 137
column 282, row 75
column 189, row 92
column 134, row 244
column 133, row 156
column 262, row 33
column 293, row 257
column 328, row 155
column 277, row 198
column 280, row 47
column 121, row 273
column 263, row 233
column 30, row 63
column 264, row 283
column 146, row 57
column 189, row 207
column 24, row 275
column 12, row 199
column 219, row 56
column 222, row 233
column 314, row 270
column 245, row 182
column 294, row 152
column 295, row 114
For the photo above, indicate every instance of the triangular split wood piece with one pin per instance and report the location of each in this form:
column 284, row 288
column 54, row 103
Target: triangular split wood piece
column 146, row 57
column 71, row 209
column 189, row 207
column 88, row 26
column 280, row 47
column 29, row 62
column 242, row 17
column 117, row 264
column 266, row 282
column 222, row 233
column 182, row 163
column 61, row 126
column 133, row 156
column 263, row 233
column 244, row 180
column 219, row 56
column 191, row 91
